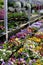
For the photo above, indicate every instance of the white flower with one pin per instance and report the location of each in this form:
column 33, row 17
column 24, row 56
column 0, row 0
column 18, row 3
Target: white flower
column 1, row 59
column 4, row 54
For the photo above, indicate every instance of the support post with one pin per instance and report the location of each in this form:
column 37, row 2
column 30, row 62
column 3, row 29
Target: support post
column 6, row 19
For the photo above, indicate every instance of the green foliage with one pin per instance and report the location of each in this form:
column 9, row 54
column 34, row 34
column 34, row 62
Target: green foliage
column 12, row 15
column 1, row 3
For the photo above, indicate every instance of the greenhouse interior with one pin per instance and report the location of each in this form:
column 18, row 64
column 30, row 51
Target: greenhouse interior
column 21, row 32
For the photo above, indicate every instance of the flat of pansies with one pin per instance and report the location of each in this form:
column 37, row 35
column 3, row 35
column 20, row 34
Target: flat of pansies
column 35, row 39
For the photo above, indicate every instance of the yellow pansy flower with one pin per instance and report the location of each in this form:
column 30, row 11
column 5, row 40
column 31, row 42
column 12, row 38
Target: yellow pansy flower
column 16, row 39
column 21, row 49
column 30, row 38
column 38, row 61
column 38, row 47
column 36, row 39
column 38, row 64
